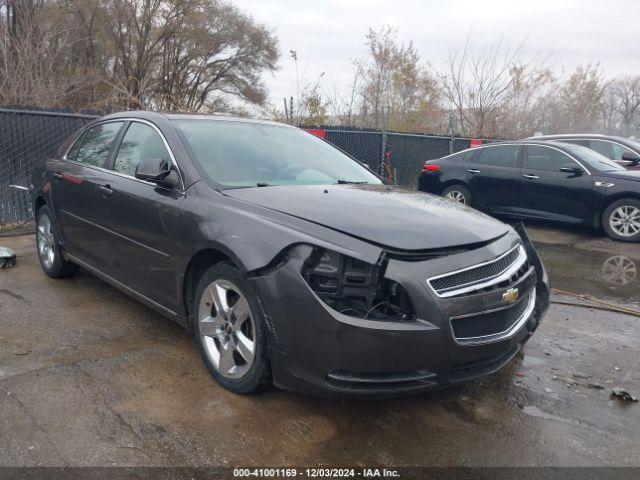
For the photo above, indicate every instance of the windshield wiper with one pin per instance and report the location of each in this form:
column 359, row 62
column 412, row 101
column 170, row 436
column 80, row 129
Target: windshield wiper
column 263, row 184
column 349, row 182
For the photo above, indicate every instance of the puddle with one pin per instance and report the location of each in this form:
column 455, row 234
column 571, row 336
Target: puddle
column 608, row 276
column 534, row 411
column 531, row 361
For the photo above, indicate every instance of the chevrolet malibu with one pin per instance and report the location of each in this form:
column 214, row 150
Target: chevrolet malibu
column 290, row 262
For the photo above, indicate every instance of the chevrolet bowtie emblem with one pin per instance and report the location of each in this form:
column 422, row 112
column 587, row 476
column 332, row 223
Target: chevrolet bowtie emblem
column 510, row 295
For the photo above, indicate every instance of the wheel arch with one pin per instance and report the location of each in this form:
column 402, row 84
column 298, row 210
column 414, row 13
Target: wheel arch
column 38, row 203
column 198, row 264
column 614, row 198
column 456, row 181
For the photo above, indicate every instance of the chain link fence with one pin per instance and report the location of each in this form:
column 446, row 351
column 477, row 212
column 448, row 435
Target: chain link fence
column 28, row 136
column 396, row 156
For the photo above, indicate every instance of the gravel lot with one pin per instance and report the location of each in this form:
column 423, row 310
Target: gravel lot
column 90, row 377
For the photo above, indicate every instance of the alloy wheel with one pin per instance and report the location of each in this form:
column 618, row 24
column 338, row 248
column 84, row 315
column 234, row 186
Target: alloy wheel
column 46, row 241
column 456, row 196
column 625, row 221
column 227, row 328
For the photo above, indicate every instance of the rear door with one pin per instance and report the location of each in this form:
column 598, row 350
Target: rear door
column 142, row 219
column 76, row 193
column 494, row 176
column 546, row 192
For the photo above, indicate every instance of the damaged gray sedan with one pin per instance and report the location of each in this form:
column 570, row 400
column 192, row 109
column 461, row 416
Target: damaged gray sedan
column 291, row 263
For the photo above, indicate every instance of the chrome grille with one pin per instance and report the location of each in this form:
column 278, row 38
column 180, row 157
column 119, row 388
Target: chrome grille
column 493, row 325
column 480, row 276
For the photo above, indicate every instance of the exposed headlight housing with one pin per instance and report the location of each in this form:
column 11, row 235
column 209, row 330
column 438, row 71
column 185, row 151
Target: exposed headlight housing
column 356, row 288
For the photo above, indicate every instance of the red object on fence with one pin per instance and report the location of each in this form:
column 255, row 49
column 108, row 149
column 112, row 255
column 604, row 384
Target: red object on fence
column 475, row 142
column 317, row 132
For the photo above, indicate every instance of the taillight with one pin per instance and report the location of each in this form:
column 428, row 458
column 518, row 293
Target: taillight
column 430, row 167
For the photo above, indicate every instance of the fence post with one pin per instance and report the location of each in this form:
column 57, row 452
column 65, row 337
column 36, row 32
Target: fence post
column 383, row 152
column 452, row 139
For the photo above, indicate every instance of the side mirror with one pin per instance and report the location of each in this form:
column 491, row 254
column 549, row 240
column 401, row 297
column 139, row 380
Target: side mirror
column 634, row 158
column 572, row 168
column 156, row 170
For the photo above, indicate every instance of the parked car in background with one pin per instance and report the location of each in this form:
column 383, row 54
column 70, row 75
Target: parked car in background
column 288, row 260
column 625, row 151
column 541, row 179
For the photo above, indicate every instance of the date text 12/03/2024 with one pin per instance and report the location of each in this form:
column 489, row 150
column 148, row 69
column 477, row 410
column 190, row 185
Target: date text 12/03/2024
column 316, row 472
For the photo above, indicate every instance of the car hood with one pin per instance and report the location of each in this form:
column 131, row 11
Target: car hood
column 387, row 216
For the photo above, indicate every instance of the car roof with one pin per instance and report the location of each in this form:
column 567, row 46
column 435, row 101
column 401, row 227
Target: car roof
column 151, row 116
column 577, row 136
column 533, row 141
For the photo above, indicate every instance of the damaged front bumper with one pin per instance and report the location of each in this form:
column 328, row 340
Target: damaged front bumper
column 319, row 351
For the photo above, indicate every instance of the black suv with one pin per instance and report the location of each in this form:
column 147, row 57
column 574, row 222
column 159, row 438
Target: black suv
column 541, row 179
column 289, row 261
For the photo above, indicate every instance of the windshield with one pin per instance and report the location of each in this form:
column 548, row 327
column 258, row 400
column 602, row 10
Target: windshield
column 635, row 143
column 243, row 154
column 594, row 159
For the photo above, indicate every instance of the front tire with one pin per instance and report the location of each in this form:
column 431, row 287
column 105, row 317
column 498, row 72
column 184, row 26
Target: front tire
column 621, row 220
column 458, row 194
column 48, row 246
column 230, row 330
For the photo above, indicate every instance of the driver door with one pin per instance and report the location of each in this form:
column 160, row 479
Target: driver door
column 546, row 192
column 143, row 219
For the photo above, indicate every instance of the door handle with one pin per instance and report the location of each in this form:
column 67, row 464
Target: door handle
column 473, row 170
column 106, row 190
column 532, row 177
column 57, row 175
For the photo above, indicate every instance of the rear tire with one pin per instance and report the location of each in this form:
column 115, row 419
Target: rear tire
column 458, row 193
column 230, row 330
column 621, row 220
column 48, row 247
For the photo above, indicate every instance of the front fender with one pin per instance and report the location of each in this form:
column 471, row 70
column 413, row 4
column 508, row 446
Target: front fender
column 253, row 236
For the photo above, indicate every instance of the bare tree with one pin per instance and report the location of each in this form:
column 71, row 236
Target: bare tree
column 396, row 85
column 579, row 103
column 33, row 43
column 625, row 95
column 114, row 54
column 479, row 85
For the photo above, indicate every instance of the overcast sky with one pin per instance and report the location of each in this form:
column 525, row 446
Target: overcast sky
column 327, row 34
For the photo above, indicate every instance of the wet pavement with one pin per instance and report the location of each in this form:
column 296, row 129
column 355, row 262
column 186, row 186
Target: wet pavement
column 90, row 377
column 581, row 261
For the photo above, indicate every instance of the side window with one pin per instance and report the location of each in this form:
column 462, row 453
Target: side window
column 618, row 150
column 93, row 147
column 603, row 147
column 73, row 151
column 141, row 142
column 500, row 155
column 545, row 158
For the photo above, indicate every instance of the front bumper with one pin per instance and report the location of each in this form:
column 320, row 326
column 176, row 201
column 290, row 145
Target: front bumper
column 322, row 352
